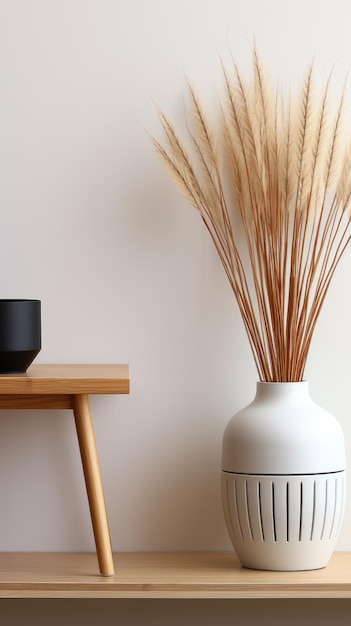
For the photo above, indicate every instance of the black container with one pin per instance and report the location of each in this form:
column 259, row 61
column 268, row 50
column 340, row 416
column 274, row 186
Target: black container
column 20, row 334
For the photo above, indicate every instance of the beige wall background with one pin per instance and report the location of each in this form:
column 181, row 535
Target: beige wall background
column 91, row 225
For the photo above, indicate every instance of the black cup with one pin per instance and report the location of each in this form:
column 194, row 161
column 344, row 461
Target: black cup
column 20, row 334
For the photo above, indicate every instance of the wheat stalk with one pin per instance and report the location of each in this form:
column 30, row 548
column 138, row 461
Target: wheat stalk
column 284, row 168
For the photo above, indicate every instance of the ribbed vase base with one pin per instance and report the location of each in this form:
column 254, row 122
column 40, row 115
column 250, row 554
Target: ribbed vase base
column 285, row 523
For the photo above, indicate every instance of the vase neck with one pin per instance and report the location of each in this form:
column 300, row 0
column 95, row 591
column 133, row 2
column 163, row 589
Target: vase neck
column 282, row 391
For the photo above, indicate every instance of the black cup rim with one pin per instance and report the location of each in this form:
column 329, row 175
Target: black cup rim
column 18, row 300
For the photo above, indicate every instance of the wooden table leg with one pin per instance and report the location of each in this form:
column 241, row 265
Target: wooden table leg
column 92, row 474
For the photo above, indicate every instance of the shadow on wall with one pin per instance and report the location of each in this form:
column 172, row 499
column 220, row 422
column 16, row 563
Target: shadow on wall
column 43, row 499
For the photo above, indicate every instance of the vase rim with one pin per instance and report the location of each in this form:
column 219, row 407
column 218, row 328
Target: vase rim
column 282, row 382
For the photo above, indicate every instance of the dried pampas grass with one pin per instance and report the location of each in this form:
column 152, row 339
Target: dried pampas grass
column 284, row 168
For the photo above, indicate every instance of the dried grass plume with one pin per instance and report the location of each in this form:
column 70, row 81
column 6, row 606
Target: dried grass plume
column 283, row 167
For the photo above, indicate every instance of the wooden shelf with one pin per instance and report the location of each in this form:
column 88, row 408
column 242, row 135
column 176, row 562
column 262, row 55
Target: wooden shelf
column 164, row 575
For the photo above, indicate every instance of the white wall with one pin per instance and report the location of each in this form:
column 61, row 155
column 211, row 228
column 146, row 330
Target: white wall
column 91, row 225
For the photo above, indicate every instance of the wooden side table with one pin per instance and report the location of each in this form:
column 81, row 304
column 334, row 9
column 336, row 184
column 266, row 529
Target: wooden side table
column 68, row 387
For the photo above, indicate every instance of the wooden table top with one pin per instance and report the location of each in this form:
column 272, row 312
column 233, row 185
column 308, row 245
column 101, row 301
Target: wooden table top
column 68, row 379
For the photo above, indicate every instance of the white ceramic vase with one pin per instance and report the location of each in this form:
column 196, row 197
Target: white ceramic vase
column 283, row 480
